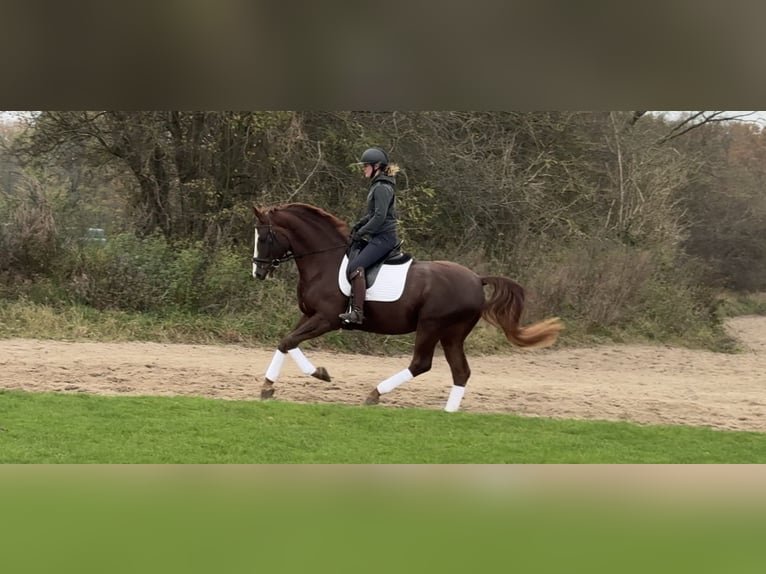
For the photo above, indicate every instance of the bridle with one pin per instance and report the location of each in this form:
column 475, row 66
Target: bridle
column 273, row 263
column 271, row 239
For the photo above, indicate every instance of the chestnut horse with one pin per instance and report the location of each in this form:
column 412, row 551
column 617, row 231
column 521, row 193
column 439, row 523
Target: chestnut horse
column 441, row 301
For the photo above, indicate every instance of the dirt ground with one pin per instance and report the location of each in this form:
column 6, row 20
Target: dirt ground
column 642, row 384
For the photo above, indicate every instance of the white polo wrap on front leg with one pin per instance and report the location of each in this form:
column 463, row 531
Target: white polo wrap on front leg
column 455, row 397
column 272, row 373
column 300, row 359
column 392, row 382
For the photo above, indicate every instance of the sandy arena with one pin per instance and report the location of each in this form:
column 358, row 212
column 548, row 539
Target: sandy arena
column 641, row 384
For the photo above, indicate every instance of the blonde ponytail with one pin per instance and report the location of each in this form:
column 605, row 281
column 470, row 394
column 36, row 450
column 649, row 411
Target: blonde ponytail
column 392, row 169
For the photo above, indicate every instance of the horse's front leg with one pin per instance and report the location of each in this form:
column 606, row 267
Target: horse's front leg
column 308, row 327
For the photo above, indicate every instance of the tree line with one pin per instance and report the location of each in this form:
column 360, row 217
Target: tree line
column 583, row 206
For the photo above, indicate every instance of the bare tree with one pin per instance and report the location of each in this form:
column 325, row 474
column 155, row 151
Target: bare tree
column 689, row 121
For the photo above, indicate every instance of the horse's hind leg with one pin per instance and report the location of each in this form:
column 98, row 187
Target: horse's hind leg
column 422, row 357
column 452, row 342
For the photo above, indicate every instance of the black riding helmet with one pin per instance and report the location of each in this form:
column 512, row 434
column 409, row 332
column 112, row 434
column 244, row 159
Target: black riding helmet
column 374, row 155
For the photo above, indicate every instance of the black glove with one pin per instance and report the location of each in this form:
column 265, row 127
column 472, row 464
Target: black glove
column 355, row 235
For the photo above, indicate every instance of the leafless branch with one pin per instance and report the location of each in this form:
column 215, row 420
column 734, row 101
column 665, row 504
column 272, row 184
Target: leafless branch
column 310, row 175
column 698, row 119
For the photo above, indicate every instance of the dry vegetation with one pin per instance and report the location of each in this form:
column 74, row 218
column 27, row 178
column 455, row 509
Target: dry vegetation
column 626, row 225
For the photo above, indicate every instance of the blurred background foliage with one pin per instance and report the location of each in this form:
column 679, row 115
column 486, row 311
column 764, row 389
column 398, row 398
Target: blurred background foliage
column 628, row 225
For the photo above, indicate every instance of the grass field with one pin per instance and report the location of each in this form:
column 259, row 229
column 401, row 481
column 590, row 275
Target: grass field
column 157, row 519
column 27, row 319
column 57, row 428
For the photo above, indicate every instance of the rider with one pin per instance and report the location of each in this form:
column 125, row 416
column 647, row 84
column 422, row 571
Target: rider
column 377, row 228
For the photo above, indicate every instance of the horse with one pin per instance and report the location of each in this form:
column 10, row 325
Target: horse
column 441, row 301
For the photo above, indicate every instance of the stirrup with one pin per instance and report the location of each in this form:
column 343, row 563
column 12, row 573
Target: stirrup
column 352, row 316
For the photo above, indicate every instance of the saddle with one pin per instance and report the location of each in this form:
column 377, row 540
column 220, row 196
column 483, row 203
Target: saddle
column 394, row 257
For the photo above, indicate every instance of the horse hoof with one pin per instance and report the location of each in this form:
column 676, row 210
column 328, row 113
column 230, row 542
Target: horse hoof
column 267, row 391
column 321, row 374
column 373, row 398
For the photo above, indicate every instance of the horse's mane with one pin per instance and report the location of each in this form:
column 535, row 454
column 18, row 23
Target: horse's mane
column 306, row 211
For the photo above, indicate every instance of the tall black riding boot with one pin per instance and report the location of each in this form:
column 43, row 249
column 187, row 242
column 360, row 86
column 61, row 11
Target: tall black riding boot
column 358, row 291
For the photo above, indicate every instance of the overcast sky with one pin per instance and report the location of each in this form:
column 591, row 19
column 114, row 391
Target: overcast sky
column 757, row 117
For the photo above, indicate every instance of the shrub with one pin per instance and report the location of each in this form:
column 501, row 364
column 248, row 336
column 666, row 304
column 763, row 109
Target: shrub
column 28, row 241
column 597, row 282
column 614, row 290
column 125, row 273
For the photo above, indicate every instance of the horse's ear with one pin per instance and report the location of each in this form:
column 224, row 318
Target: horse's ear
column 258, row 214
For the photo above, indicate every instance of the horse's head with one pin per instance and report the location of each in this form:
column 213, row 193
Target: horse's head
column 272, row 247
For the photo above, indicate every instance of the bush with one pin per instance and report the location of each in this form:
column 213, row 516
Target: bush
column 734, row 304
column 614, row 291
column 125, row 273
column 28, row 241
column 597, row 283
column 134, row 274
column 228, row 282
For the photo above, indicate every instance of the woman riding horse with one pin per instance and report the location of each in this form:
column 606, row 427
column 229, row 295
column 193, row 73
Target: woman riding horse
column 377, row 228
column 441, row 301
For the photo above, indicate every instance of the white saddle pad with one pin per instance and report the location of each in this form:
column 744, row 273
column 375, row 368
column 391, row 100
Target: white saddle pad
column 388, row 285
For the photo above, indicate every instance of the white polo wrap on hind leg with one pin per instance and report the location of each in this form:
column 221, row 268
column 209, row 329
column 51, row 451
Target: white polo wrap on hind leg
column 303, row 363
column 272, row 373
column 455, row 397
column 392, row 382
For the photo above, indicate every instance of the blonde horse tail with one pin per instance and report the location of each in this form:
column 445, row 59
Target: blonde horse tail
column 503, row 309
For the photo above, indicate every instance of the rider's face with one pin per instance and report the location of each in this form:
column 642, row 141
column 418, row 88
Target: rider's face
column 367, row 170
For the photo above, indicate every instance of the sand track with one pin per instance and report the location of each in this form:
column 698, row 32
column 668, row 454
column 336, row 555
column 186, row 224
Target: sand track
column 643, row 384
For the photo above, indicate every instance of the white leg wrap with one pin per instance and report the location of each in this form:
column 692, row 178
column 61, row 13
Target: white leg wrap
column 392, row 382
column 455, row 397
column 272, row 373
column 303, row 363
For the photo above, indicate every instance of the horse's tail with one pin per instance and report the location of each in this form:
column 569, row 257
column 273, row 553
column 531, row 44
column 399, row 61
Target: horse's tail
column 503, row 309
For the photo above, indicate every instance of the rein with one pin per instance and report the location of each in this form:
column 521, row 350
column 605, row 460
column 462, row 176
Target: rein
column 277, row 261
column 290, row 255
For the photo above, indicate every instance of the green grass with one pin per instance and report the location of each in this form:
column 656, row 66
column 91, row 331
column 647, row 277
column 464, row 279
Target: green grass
column 23, row 318
column 191, row 519
column 28, row 319
column 56, row 428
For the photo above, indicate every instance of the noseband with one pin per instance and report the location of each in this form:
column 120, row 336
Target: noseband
column 271, row 239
